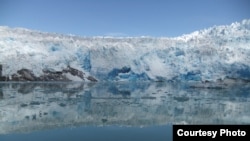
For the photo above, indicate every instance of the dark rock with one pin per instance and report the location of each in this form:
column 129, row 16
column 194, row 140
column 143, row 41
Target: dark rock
column 15, row 77
column 51, row 72
column 26, row 74
column 74, row 72
column 52, row 76
column 3, row 78
column 48, row 75
column 60, row 75
column 91, row 78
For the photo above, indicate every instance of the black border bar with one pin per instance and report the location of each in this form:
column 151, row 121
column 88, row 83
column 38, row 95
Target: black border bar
column 211, row 132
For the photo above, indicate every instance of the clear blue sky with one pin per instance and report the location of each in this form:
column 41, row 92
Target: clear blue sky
column 122, row 17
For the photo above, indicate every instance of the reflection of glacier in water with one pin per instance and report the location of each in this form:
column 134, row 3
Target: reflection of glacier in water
column 27, row 107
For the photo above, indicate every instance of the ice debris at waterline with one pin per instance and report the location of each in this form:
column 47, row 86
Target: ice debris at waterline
column 216, row 53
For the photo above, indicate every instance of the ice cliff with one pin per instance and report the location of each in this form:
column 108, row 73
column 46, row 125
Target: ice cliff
column 216, row 53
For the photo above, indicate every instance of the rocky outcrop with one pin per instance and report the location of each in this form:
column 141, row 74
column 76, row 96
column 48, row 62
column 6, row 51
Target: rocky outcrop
column 74, row 72
column 1, row 77
column 26, row 74
column 48, row 75
column 91, row 78
column 53, row 76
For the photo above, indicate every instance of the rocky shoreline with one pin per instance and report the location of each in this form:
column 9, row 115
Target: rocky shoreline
column 27, row 75
column 24, row 74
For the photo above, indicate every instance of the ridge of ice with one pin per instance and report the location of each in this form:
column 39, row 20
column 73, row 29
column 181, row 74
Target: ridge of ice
column 215, row 53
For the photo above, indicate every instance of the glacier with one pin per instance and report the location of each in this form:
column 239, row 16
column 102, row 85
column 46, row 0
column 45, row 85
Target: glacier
column 215, row 54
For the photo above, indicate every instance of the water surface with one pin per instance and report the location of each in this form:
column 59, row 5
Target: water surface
column 114, row 111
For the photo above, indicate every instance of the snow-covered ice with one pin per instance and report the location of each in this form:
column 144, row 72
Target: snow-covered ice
column 211, row 54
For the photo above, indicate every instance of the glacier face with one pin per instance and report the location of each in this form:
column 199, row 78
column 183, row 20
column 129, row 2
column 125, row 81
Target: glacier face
column 216, row 53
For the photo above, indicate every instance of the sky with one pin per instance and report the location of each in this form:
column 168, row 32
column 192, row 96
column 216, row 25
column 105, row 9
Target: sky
column 157, row 18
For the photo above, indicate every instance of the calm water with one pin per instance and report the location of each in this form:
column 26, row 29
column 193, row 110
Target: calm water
column 108, row 111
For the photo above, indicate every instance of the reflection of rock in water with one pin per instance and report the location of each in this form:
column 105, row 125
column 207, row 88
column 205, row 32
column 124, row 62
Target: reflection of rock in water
column 178, row 111
column 87, row 101
column 34, row 103
column 1, row 94
column 60, row 104
column 181, row 99
column 1, row 68
column 26, row 88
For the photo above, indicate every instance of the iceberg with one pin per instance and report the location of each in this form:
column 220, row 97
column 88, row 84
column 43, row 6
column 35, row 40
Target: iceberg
column 214, row 54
